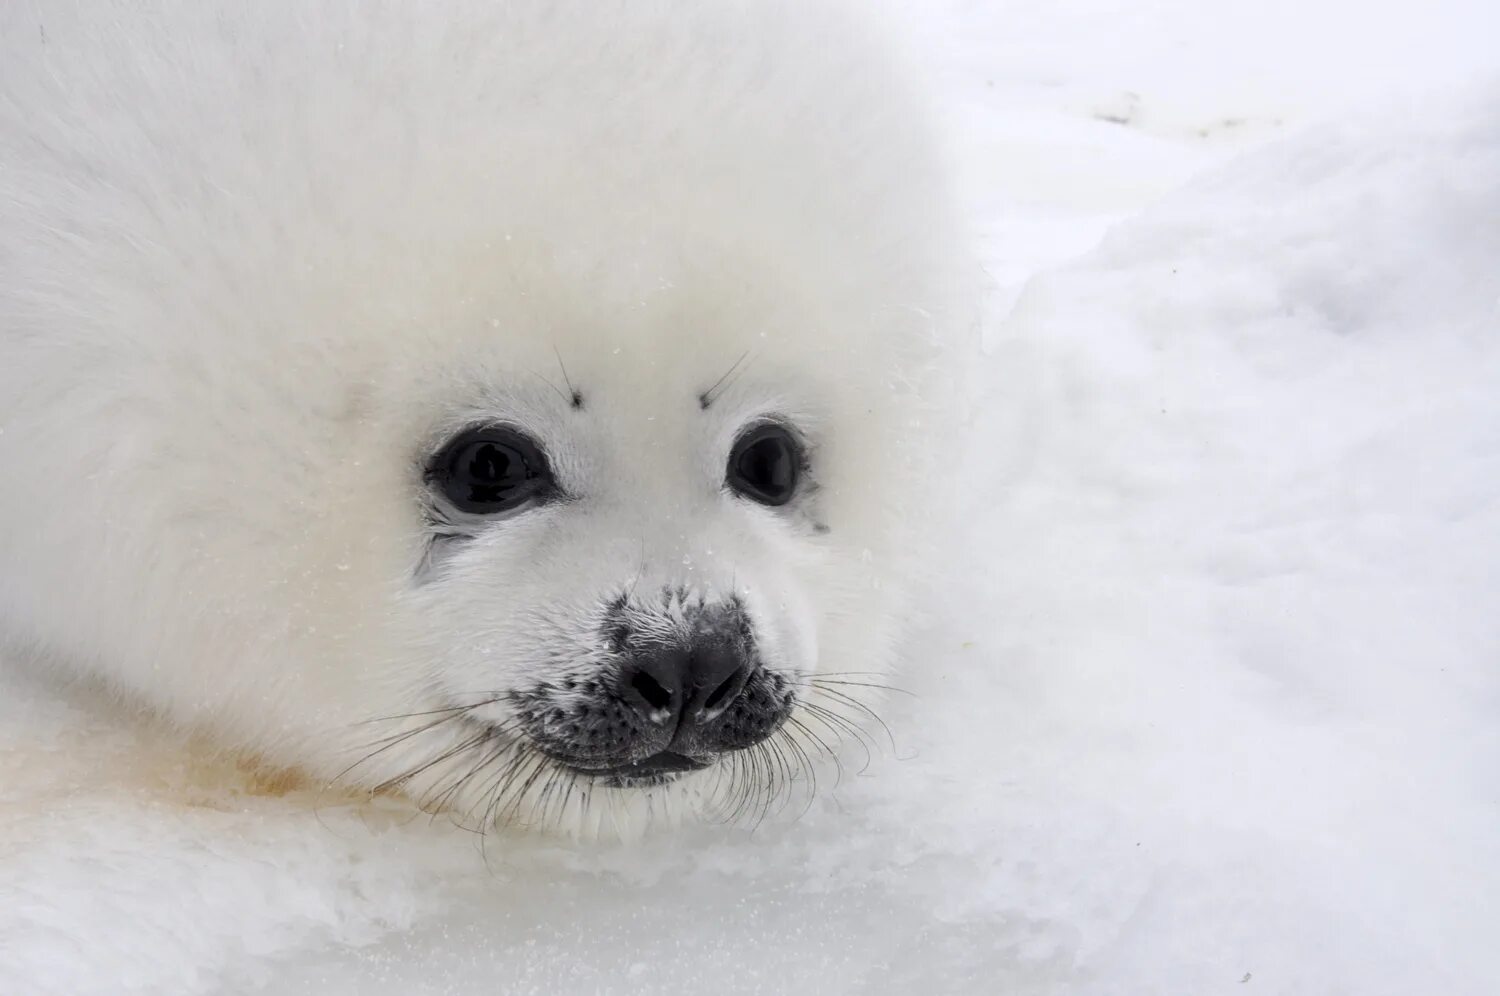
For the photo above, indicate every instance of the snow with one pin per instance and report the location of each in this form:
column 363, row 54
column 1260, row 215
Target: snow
column 1213, row 702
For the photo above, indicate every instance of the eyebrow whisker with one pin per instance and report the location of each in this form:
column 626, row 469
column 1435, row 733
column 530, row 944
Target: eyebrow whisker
column 575, row 396
column 560, row 392
column 711, row 395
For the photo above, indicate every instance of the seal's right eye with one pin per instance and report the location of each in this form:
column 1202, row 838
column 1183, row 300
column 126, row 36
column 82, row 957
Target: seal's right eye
column 489, row 470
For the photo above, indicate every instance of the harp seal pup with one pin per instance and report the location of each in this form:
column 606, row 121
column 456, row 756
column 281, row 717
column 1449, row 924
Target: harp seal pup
column 529, row 406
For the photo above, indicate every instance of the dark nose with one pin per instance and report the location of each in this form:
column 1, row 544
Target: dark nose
column 686, row 686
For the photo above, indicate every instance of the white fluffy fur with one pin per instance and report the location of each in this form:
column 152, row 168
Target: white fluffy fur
column 258, row 259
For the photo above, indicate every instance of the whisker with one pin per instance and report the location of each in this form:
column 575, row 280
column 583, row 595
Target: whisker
column 837, row 722
column 428, row 712
column 494, row 791
column 513, row 807
column 821, row 680
column 394, row 739
column 462, row 746
column 808, row 767
column 488, row 776
column 828, row 752
column 711, row 395
column 484, row 761
column 391, row 742
column 565, row 395
column 856, row 703
column 575, row 397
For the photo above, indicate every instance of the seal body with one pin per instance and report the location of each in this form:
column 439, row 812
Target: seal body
column 263, row 266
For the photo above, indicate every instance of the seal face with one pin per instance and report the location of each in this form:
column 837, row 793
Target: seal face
column 634, row 669
column 512, row 404
column 679, row 677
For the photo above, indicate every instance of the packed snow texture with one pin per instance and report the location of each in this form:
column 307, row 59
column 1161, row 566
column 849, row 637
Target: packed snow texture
column 1212, row 702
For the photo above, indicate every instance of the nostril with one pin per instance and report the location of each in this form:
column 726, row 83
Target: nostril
column 656, row 696
column 727, row 690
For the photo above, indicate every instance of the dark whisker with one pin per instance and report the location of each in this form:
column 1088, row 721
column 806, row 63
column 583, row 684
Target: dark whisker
column 427, row 712
column 565, row 395
column 711, row 395
column 407, row 776
column 575, row 397
column 820, row 680
column 823, row 748
column 856, row 703
column 838, row 723
column 808, row 767
column 484, row 761
column 381, row 746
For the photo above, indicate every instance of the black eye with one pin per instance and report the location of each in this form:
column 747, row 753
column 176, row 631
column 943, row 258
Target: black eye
column 765, row 464
column 485, row 471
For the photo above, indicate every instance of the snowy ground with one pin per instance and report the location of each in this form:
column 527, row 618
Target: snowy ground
column 1214, row 705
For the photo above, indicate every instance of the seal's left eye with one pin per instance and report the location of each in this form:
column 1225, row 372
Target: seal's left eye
column 765, row 465
column 491, row 470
